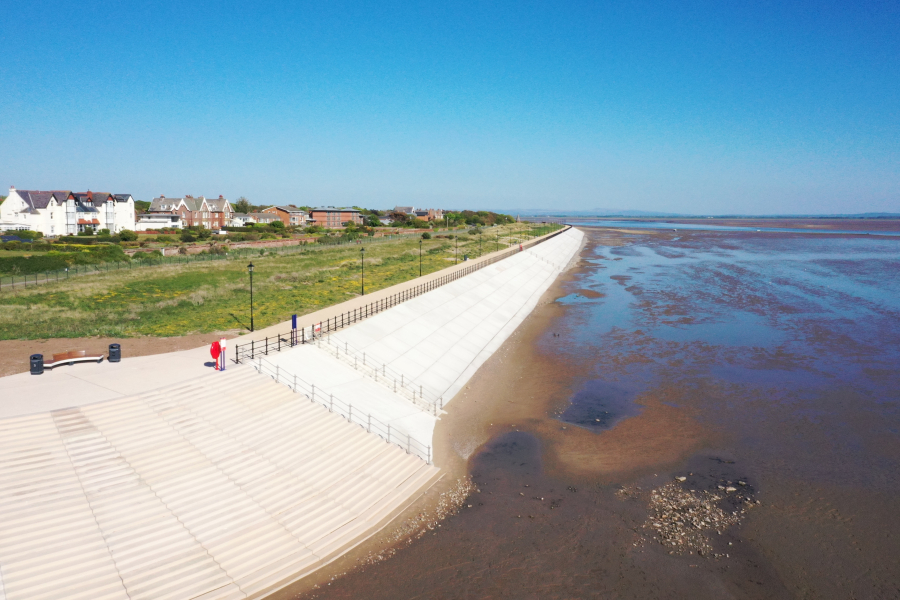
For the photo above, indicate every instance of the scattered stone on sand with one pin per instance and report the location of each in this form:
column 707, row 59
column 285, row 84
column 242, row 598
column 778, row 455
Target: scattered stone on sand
column 449, row 503
column 682, row 520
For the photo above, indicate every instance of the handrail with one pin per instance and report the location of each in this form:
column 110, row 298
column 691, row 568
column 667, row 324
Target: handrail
column 391, row 435
column 385, row 375
column 289, row 339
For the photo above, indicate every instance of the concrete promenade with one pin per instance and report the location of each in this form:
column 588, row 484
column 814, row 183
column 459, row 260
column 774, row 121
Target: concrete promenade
column 159, row 478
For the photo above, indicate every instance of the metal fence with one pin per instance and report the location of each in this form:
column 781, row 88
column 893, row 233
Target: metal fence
column 391, row 435
column 12, row 281
column 289, row 339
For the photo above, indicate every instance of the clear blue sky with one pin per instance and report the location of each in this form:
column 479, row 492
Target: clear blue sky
column 700, row 107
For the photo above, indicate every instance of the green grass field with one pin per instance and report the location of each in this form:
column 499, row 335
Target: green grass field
column 173, row 300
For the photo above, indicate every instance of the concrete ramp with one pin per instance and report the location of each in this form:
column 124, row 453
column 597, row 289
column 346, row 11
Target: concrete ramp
column 229, row 486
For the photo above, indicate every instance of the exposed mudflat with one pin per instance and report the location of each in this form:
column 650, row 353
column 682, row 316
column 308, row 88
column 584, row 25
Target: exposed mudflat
column 720, row 417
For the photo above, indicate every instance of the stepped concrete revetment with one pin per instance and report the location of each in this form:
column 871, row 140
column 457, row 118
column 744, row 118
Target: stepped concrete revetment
column 157, row 478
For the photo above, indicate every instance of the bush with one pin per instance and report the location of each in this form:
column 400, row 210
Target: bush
column 165, row 239
column 187, row 237
column 104, row 232
column 278, row 225
column 126, row 235
column 27, row 235
column 426, row 236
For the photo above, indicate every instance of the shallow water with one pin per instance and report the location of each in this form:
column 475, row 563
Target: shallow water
column 785, row 350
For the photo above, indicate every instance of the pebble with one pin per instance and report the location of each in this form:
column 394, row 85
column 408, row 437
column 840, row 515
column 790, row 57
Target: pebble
column 681, row 478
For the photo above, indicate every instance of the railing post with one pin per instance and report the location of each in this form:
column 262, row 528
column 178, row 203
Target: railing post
column 429, row 455
column 295, row 382
column 313, row 392
column 330, row 402
column 278, row 373
column 369, row 428
column 350, row 413
column 407, row 443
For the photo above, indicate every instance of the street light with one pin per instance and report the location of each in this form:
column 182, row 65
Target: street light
column 362, row 265
column 457, row 249
column 420, row 258
column 250, row 270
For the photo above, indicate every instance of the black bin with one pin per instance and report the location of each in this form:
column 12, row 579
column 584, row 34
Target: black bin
column 115, row 353
column 37, row 364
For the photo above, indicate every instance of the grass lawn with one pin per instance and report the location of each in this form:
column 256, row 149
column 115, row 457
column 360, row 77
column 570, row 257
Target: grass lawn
column 173, row 300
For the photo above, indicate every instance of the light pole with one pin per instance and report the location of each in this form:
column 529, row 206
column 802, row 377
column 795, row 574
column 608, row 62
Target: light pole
column 420, row 258
column 250, row 270
column 362, row 266
column 480, row 245
column 457, row 249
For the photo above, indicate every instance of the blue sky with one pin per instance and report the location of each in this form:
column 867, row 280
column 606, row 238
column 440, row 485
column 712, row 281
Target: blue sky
column 697, row 107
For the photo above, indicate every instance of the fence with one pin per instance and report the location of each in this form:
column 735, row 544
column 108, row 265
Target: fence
column 43, row 277
column 251, row 349
column 345, row 409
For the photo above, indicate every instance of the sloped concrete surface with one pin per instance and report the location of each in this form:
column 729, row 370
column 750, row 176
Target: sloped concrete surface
column 437, row 341
column 229, row 486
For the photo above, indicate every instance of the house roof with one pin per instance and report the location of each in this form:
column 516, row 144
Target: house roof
column 333, row 209
column 192, row 204
column 287, row 209
column 37, row 199
column 218, row 204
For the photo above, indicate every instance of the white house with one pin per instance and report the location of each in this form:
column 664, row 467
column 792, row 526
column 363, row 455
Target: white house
column 241, row 219
column 158, row 220
column 66, row 213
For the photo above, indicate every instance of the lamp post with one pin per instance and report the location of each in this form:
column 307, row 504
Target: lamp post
column 457, row 249
column 480, row 245
column 362, row 266
column 250, row 270
column 420, row 258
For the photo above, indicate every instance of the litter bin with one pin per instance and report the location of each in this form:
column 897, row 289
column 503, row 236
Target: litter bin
column 465, row 257
column 115, row 353
column 37, row 364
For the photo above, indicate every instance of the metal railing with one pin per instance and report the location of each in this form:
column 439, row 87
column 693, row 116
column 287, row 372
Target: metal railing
column 394, row 380
column 11, row 281
column 391, row 435
column 304, row 335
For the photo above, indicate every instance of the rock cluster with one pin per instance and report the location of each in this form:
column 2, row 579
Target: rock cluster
column 681, row 520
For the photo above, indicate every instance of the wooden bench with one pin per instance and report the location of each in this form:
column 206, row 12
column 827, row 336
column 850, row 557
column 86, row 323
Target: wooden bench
column 71, row 357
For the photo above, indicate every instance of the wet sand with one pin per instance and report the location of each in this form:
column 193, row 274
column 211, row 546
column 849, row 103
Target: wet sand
column 703, row 487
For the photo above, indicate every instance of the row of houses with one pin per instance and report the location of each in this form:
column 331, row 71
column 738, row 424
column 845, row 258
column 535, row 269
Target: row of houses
column 64, row 212
column 218, row 213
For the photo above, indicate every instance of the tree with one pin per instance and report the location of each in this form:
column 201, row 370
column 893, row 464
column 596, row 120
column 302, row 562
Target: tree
column 243, row 206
